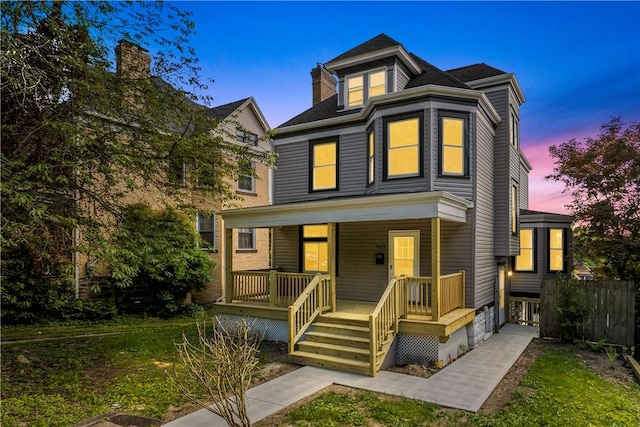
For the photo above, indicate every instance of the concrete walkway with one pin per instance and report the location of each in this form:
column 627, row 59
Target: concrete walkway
column 464, row 384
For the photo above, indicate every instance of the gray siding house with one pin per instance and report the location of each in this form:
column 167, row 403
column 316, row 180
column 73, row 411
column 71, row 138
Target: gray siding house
column 399, row 200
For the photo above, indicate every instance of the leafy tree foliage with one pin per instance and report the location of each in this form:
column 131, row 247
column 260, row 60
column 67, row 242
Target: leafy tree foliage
column 603, row 176
column 81, row 138
column 159, row 248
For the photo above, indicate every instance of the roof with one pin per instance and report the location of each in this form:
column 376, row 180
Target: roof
column 433, row 75
column 381, row 41
column 224, row 111
column 324, row 110
column 545, row 216
column 475, row 72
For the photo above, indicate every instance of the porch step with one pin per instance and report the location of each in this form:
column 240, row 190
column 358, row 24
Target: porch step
column 353, row 353
column 344, row 340
column 348, row 319
column 330, row 362
column 336, row 328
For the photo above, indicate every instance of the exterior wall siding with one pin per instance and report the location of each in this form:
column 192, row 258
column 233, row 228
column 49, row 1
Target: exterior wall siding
column 286, row 252
column 402, row 76
column 485, row 270
column 456, row 253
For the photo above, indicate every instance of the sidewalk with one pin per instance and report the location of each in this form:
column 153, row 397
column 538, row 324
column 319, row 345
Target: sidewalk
column 464, row 384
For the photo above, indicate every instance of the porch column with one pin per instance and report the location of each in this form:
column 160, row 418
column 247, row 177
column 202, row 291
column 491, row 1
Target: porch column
column 228, row 265
column 435, row 268
column 331, row 248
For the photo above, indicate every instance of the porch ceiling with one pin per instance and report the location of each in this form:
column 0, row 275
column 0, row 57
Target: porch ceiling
column 357, row 209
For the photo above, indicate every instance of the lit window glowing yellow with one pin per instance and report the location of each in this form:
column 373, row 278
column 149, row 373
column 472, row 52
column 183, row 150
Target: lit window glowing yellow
column 452, row 146
column 524, row 261
column 556, row 249
column 371, row 170
column 377, row 84
column 404, row 142
column 324, row 166
column 320, row 230
column 316, row 256
column 355, row 90
column 403, row 256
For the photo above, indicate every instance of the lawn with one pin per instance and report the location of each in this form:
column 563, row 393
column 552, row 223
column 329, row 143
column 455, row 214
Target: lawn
column 62, row 379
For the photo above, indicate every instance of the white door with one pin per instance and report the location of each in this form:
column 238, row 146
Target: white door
column 404, row 253
column 501, row 280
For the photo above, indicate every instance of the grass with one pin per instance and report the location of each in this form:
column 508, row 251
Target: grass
column 558, row 391
column 63, row 381
column 66, row 379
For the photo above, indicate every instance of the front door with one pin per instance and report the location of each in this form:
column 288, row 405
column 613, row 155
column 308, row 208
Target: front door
column 501, row 280
column 404, row 253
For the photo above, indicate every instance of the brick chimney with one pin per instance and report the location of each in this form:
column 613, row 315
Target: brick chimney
column 323, row 83
column 132, row 61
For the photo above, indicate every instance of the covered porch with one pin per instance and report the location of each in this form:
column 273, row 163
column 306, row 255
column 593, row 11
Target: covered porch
column 432, row 304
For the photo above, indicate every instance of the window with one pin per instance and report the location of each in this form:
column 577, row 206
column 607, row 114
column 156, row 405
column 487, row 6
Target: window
column 403, row 139
column 525, row 261
column 246, row 137
column 375, row 83
column 371, row 158
column 177, row 171
column 514, row 209
column 453, row 144
column 246, row 239
column 315, row 248
column 246, row 180
column 206, row 226
column 324, row 170
column 556, row 249
column 514, row 131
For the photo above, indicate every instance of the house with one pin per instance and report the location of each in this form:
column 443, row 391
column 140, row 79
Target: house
column 241, row 123
column 399, row 201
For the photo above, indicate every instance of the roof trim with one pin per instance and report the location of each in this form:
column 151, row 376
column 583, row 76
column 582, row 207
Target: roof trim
column 500, row 79
column 438, row 204
column 398, row 50
column 397, row 96
column 525, row 161
column 528, row 216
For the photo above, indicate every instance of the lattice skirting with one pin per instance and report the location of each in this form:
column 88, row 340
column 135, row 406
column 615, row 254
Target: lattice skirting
column 413, row 348
column 273, row 330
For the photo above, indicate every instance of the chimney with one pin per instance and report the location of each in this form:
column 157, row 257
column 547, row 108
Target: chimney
column 324, row 84
column 132, row 61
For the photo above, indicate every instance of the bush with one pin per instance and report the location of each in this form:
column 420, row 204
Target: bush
column 571, row 307
column 69, row 309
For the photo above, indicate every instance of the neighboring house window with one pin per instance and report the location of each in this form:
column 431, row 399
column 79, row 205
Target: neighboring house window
column 246, row 239
column 525, row 261
column 514, row 131
column 315, row 248
column 246, row 183
column 514, row 209
column 177, row 171
column 364, row 86
column 371, row 157
column 556, row 249
column 403, row 141
column 453, row 144
column 246, row 137
column 206, row 226
column 324, row 166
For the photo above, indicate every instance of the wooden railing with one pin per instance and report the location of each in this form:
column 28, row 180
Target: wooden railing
column 383, row 322
column 313, row 301
column 420, row 296
column 272, row 287
column 525, row 311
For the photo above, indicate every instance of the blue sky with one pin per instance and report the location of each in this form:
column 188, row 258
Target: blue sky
column 578, row 63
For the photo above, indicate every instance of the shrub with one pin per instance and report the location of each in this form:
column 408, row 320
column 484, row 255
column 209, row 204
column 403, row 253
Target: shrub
column 571, row 307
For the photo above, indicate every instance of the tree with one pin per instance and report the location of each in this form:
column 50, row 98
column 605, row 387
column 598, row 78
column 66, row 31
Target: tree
column 218, row 368
column 603, row 176
column 80, row 136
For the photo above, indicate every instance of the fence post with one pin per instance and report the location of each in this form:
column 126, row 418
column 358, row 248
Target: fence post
column 464, row 286
column 272, row 287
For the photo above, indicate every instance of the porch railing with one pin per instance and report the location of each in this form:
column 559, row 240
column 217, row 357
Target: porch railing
column 313, row 301
column 421, row 296
column 272, row 287
column 383, row 322
column 525, row 311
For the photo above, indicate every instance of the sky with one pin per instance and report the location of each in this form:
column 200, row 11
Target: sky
column 578, row 63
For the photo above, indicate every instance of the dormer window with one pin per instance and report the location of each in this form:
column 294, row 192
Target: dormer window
column 361, row 87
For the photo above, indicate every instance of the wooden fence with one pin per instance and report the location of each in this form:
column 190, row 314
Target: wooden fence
column 612, row 306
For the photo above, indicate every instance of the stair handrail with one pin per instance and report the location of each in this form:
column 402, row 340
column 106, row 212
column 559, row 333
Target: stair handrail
column 306, row 308
column 382, row 320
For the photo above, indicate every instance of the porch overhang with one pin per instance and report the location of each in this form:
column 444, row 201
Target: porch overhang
column 438, row 204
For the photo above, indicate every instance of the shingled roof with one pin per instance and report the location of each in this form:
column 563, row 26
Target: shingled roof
column 324, row 110
column 475, row 72
column 224, row 111
column 381, row 41
column 433, row 75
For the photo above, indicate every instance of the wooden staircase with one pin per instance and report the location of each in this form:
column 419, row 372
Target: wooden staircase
column 339, row 343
